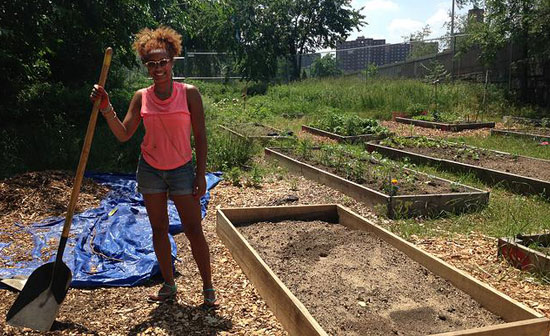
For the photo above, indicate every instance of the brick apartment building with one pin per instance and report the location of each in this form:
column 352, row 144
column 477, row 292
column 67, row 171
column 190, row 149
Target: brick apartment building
column 356, row 55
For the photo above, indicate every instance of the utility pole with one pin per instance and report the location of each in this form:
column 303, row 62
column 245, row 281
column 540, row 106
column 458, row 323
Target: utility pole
column 453, row 41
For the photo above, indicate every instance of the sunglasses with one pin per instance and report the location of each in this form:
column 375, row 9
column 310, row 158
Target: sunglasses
column 154, row 64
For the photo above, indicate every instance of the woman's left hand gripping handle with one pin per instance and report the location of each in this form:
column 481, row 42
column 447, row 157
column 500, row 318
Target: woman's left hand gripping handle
column 98, row 92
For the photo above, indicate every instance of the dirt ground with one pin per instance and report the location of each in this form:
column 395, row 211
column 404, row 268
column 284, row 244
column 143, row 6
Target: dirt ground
column 124, row 311
column 520, row 165
column 354, row 283
column 408, row 183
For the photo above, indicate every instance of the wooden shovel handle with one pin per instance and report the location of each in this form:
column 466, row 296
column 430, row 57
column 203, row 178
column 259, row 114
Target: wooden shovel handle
column 85, row 148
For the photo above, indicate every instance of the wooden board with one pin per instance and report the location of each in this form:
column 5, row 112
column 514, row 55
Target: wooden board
column 258, row 138
column 522, row 120
column 516, row 183
column 523, row 135
column 445, row 126
column 290, row 312
column 515, row 251
column 295, row 318
column 395, row 206
column 341, row 138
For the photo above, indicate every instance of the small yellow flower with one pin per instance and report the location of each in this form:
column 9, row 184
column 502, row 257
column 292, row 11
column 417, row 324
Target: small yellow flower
column 394, row 181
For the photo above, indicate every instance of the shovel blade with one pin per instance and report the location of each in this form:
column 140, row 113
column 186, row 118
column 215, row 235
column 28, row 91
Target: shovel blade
column 37, row 305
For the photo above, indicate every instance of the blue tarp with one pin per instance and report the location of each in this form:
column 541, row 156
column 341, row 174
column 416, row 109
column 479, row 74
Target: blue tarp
column 108, row 246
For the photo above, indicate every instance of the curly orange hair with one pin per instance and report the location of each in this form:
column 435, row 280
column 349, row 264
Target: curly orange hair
column 161, row 38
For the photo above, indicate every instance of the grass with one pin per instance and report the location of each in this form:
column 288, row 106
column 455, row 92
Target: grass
column 507, row 214
column 288, row 107
column 511, row 145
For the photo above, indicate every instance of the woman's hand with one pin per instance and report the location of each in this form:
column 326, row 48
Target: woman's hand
column 199, row 186
column 98, row 92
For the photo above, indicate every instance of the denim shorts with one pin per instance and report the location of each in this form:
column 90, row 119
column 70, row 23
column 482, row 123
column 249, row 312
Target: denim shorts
column 178, row 181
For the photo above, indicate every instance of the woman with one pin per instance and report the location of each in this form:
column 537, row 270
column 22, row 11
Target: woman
column 169, row 110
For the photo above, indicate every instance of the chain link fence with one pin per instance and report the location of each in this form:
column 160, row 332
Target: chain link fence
column 409, row 59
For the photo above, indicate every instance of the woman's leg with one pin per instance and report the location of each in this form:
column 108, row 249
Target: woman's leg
column 156, row 205
column 189, row 210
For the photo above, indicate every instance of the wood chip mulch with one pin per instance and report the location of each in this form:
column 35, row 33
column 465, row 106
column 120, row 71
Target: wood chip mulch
column 411, row 130
column 33, row 196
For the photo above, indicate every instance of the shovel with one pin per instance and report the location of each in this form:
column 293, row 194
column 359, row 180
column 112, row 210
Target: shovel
column 37, row 305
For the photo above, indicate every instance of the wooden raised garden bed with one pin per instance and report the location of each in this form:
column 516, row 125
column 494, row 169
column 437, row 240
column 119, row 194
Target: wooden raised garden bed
column 528, row 253
column 341, row 138
column 535, row 135
column 256, row 131
column 453, row 127
column 396, row 288
column 523, row 121
column 468, row 199
column 508, row 177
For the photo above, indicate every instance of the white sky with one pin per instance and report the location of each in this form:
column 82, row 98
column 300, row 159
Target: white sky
column 393, row 19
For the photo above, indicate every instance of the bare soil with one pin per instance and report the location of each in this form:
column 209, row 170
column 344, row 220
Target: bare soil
column 408, row 183
column 383, row 292
column 520, row 165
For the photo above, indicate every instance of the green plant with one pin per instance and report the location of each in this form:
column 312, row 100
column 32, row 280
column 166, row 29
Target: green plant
column 255, row 177
column 349, row 125
column 234, row 176
column 304, row 148
column 390, row 186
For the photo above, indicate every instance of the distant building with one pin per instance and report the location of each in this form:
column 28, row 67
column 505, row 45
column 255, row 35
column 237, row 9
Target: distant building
column 397, row 52
column 476, row 14
column 356, row 55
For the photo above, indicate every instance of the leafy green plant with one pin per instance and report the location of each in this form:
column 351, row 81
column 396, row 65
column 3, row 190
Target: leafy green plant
column 234, row 176
column 304, row 148
column 349, row 125
column 255, row 177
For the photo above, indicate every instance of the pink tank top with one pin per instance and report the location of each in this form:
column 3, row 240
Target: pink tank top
column 167, row 141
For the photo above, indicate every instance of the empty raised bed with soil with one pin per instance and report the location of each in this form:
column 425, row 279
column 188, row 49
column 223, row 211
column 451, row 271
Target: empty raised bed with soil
column 256, row 131
column 521, row 174
column 342, row 138
column 323, row 269
column 525, row 121
column 453, row 127
column 413, row 194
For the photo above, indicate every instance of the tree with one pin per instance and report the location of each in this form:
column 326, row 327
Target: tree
column 524, row 24
column 316, row 24
column 288, row 28
column 258, row 38
column 419, row 47
column 325, row 67
column 48, row 42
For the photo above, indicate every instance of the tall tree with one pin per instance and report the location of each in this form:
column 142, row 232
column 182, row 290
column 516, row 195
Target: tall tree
column 420, row 47
column 57, row 41
column 315, row 24
column 524, row 24
column 268, row 30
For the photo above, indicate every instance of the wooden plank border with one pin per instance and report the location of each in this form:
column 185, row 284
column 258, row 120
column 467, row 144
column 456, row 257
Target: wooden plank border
column 445, row 126
column 295, row 318
column 517, row 253
column 341, row 138
column 516, row 183
column 523, row 135
column 290, row 312
column 262, row 139
column 522, row 120
column 396, row 206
